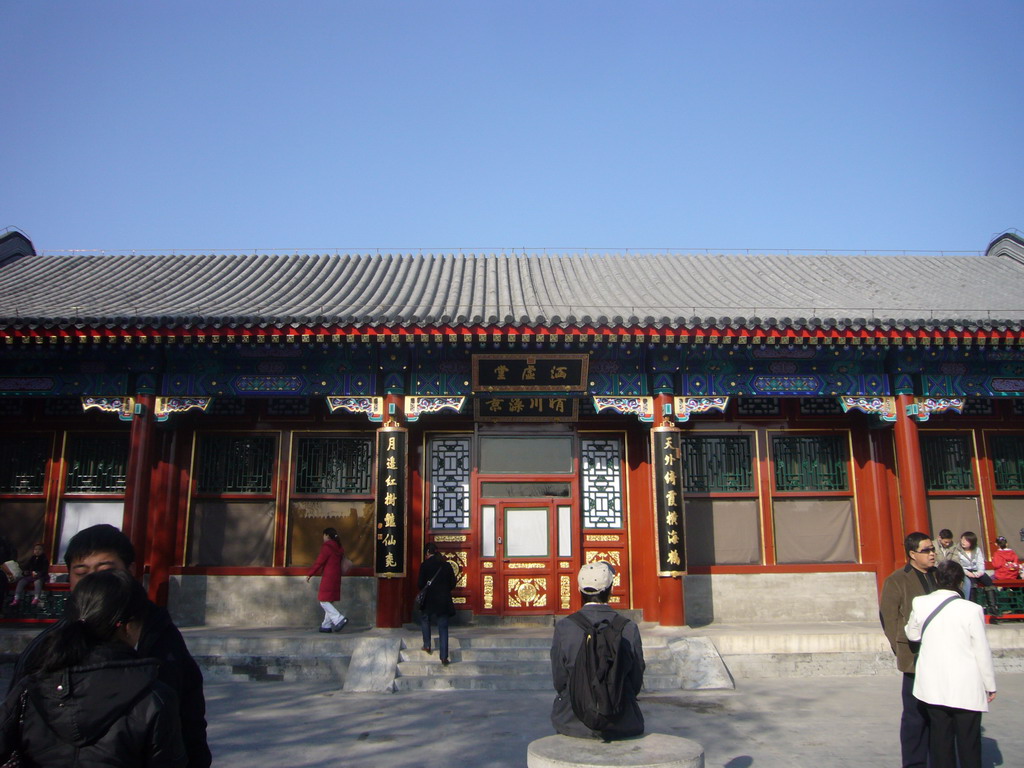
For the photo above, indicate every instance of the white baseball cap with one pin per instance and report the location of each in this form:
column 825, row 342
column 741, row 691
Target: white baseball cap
column 596, row 577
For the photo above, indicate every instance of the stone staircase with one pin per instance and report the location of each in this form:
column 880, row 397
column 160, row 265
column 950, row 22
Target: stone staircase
column 832, row 649
column 512, row 661
column 268, row 657
column 514, row 656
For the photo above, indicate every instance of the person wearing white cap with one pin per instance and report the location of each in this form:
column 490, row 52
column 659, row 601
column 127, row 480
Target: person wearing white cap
column 595, row 584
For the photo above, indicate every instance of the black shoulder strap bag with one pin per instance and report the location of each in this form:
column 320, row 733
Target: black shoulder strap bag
column 938, row 608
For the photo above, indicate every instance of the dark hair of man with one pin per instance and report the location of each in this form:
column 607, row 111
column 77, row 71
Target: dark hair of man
column 972, row 539
column 100, row 604
column 430, row 549
column 332, row 534
column 913, row 541
column 99, row 538
column 949, row 575
column 945, row 533
column 597, row 597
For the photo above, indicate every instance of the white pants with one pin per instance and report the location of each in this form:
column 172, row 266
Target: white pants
column 332, row 616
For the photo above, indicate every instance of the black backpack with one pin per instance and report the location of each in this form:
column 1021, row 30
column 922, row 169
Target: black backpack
column 598, row 680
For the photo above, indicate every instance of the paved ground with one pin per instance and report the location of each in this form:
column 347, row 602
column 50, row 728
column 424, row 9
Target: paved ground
column 835, row 722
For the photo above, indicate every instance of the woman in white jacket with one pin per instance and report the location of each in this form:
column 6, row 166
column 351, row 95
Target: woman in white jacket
column 955, row 679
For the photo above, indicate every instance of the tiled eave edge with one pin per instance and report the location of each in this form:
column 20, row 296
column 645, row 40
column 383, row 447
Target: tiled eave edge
column 509, row 335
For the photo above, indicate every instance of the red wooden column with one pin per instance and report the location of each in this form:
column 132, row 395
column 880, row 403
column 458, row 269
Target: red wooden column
column 139, row 474
column 642, row 526
column 670, row 588
column 165, row 494
column 910, row 469
column 876, row 534
column 390, row 591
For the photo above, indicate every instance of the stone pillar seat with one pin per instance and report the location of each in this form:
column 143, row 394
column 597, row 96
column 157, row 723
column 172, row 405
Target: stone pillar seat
column 652, row 750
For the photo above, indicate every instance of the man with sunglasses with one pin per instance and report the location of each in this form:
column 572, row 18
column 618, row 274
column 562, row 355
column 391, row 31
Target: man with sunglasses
column 903, row 585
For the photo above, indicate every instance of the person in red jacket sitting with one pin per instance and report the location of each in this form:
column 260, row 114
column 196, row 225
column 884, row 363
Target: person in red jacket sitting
column 1004, row 561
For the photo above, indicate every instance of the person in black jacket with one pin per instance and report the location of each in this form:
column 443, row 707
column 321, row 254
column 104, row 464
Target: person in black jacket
column 93, row 700
column 34, row 571
column 104, row 547
column 595, row 582
column 438, row 604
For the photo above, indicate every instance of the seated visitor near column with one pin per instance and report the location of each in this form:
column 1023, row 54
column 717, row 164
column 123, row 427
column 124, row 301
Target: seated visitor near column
column 1004, row 561
column 596, row 692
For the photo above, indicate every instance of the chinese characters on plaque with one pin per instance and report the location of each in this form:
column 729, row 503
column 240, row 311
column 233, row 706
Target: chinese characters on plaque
column 496, row 408
column 530, row 373
column 528, row 387
column 668, row 500
column 389, row 554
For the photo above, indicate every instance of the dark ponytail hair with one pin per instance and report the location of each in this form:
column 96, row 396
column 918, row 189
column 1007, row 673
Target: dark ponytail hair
column 101, row 603
column 333, row 534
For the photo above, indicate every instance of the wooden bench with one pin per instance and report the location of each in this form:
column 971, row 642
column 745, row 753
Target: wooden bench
column 1009, row 600
column 50, row 608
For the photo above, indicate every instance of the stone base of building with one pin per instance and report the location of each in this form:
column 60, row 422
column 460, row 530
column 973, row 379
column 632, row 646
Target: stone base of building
column 265, row 601
column 780, row 598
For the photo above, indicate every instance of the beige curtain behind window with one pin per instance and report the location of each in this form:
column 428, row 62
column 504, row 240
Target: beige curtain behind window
column 722, row 532
column 815, row 531
column 1009, row 521
column 22, row 524
column 959, row 515
column 231, row 533
column 352, row 519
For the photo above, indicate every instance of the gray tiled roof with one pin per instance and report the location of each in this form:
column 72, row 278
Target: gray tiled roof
column 523, row 290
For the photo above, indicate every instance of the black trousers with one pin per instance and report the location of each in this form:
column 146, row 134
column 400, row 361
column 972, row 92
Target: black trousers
column 954, row 733
column 913, row 727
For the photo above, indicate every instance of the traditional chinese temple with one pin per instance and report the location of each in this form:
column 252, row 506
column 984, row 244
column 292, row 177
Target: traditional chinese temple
column 746, row 437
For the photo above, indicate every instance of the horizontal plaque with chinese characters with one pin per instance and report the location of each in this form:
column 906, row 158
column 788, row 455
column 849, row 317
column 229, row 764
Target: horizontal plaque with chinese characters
column 391, row 502
column 495, row 408
column 530, row 373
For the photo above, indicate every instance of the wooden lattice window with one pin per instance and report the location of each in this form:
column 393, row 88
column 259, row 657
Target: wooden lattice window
column 337, row 466
column 718, row 464
column 947, row 462
column 1008, row 461
column 96, row 464
column 230, row 464
column 23, row 464
column 810, row 463
column 449, row 482
column 601, row 480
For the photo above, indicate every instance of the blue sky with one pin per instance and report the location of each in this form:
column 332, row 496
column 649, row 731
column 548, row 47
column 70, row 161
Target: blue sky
column 243, row 125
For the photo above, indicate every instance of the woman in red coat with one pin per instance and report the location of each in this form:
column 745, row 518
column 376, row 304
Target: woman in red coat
column 1004, row 560
column 329, row 562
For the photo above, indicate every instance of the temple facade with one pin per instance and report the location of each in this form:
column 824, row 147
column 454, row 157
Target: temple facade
column 746, row 438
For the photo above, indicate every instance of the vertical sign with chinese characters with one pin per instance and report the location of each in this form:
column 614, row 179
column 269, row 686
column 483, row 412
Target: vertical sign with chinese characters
column 389, row 551
column 667, row 467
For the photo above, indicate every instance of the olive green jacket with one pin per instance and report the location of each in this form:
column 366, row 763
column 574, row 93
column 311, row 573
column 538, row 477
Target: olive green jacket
column 898, row 593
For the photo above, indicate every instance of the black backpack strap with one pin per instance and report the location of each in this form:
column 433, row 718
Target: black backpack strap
column 582, row 621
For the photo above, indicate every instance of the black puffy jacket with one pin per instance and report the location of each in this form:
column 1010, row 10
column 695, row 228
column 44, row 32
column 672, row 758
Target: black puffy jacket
column 160, row 640
column 109, row 712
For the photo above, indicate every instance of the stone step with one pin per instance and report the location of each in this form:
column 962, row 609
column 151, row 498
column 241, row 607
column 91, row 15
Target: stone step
column 451, row 680
column 510, row 653
column 508, row 667
column 836, row 650
column 276, row 667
